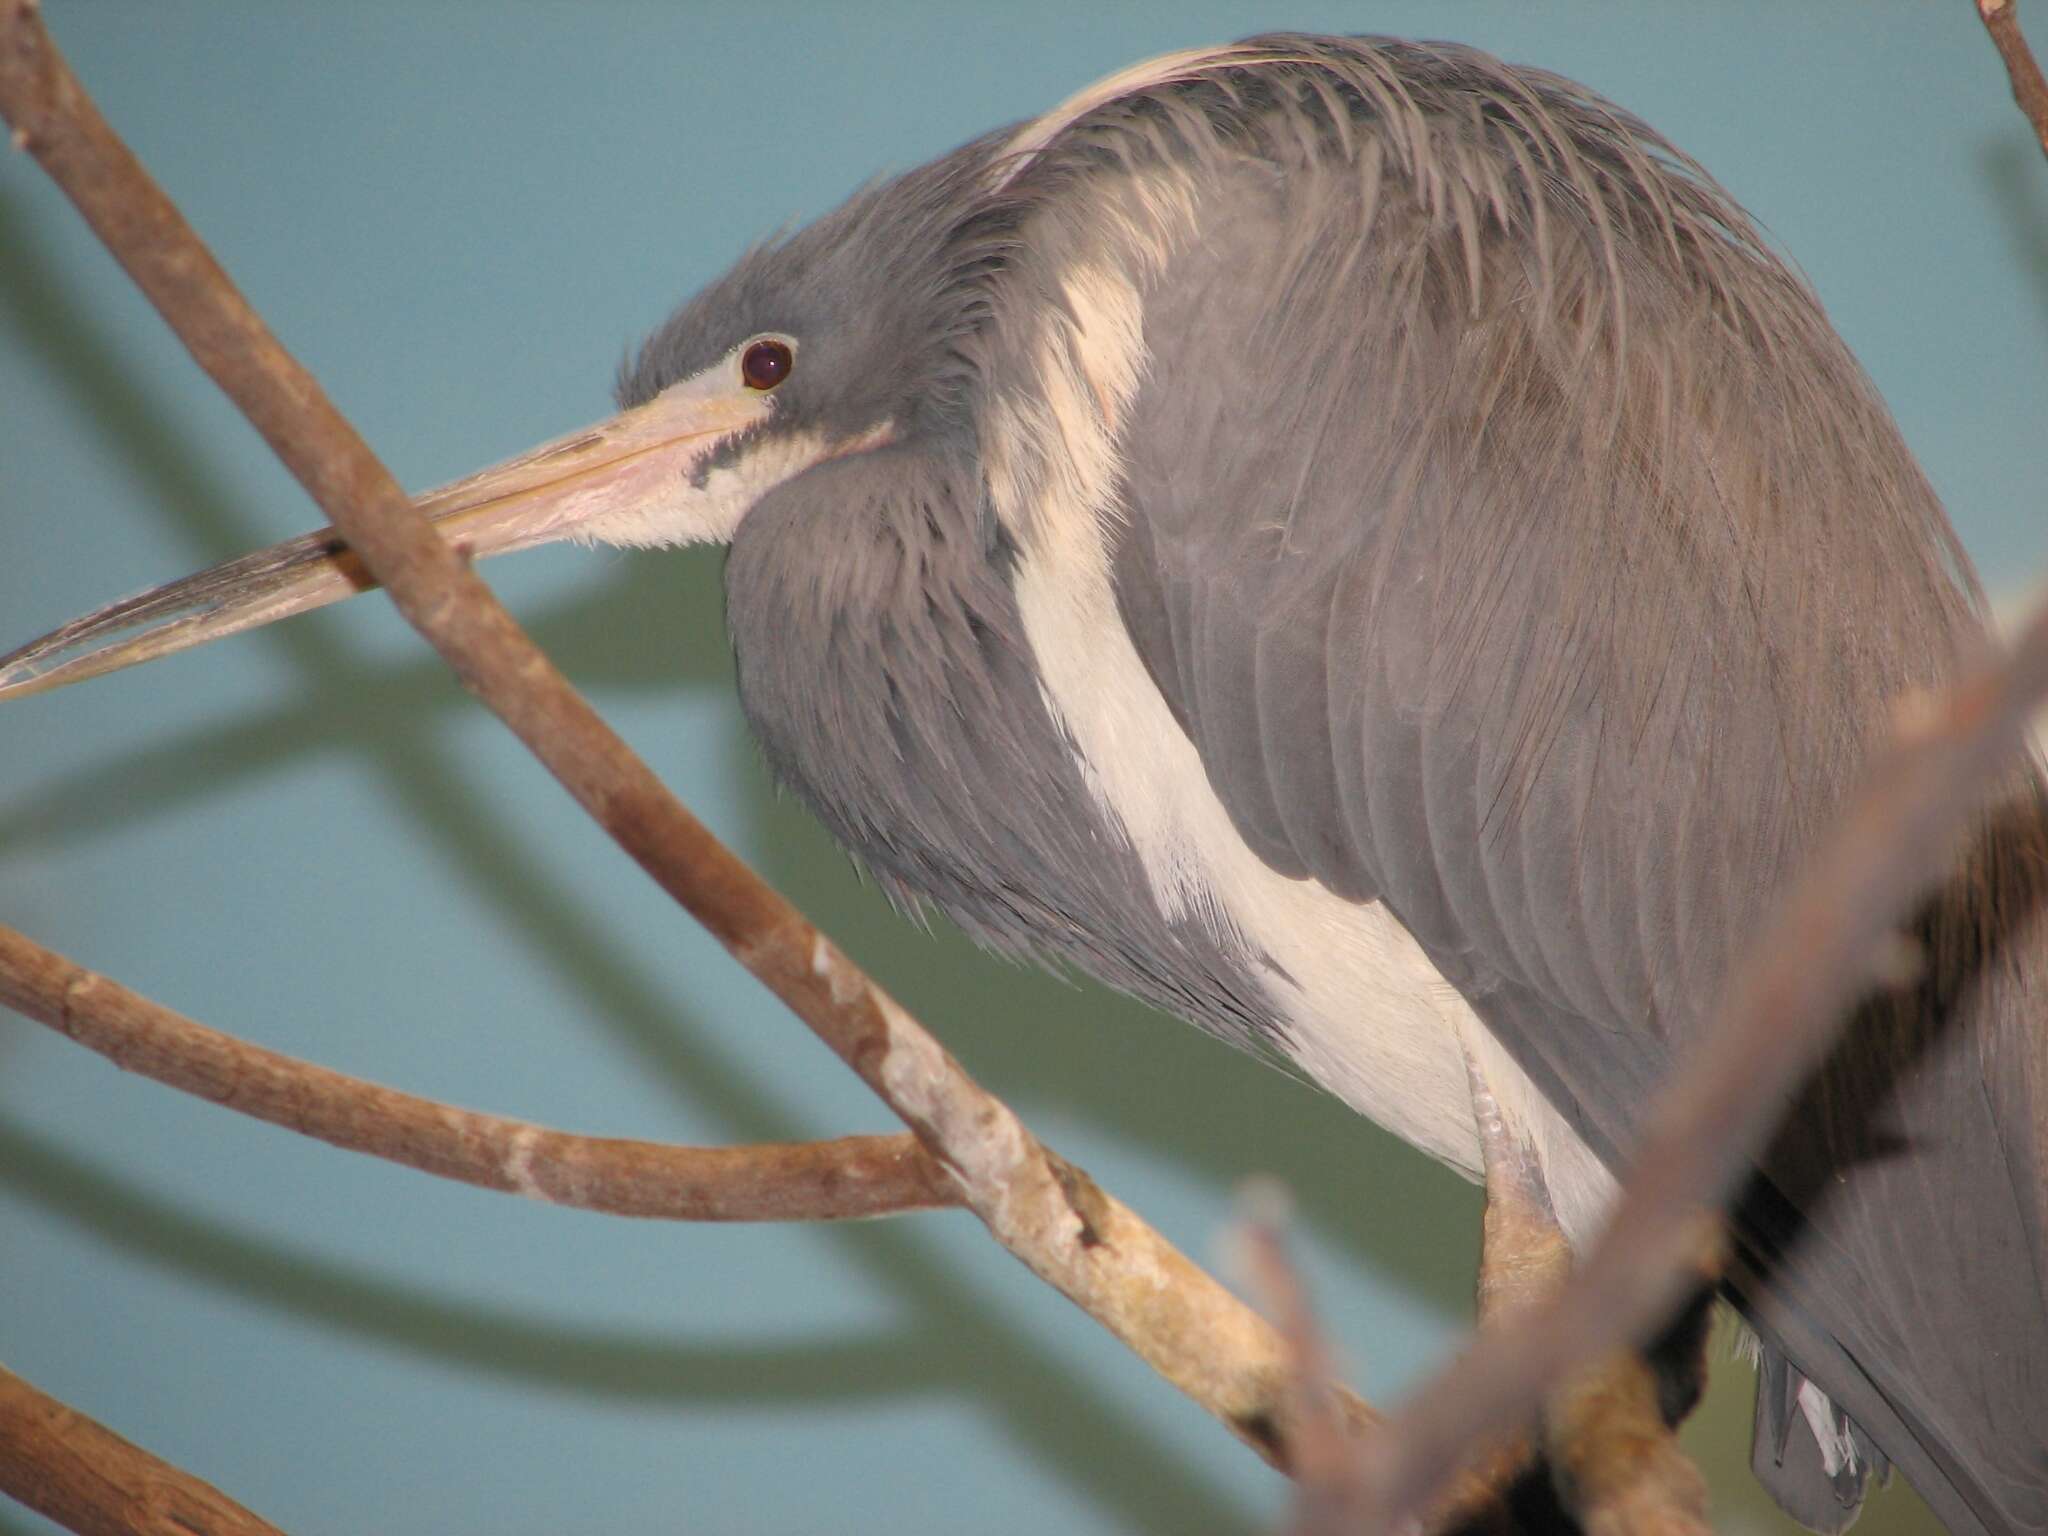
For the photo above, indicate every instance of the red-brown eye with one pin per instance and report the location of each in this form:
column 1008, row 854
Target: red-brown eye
column 766, row 364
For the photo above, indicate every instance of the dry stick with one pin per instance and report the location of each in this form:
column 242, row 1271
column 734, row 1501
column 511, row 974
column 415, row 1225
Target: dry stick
column 1072, row 1234
column 854, row 1176
column 1770, row 1032
column 2029, row 89
column 1324, row 1464
column 88, row 1479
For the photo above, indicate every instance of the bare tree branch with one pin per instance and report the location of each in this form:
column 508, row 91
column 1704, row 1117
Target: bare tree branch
column 809, row 1181
column 1325, row 1463
column 2029, row 89
column 1050, row 1214
column 1781, row 1013
column 88, row 1479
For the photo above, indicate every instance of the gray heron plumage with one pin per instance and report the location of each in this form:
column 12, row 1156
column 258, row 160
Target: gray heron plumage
column 1366, row 548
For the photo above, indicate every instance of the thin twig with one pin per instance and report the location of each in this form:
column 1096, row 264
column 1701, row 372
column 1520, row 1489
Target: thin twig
column 854, row 1176
column 2029, row 88
column 1773, row 1028
column 1079, row 1239
column 88, row 1479
column 1325, row 1464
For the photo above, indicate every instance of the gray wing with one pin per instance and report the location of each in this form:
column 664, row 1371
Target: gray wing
column 1550, row 587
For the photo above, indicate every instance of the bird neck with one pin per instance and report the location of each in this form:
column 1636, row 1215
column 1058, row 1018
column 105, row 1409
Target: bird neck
column 883, row 666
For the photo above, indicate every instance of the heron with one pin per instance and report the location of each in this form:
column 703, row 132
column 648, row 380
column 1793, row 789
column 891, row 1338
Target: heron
column 1367, row 548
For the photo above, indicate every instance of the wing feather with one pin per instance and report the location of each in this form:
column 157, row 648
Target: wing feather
column 1519, row 545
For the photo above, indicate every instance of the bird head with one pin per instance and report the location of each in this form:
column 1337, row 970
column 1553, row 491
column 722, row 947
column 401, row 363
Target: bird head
column 834, row 340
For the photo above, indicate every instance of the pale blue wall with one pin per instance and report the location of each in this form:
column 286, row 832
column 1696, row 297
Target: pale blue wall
column 460, row 216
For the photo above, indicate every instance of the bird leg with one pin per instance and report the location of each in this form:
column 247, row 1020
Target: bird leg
column 1615, row 1462
column 1523, row 1255
column 1614, row 1459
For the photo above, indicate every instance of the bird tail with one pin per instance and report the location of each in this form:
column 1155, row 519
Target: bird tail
column 1806, row 1452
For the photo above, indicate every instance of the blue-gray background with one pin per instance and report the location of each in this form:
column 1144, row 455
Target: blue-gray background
column 460, row 216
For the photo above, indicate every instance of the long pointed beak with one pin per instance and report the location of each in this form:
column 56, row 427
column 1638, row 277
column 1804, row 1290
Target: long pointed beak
column 626, row 479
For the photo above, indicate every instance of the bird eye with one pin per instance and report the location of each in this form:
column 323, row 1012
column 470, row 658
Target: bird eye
column 766, row 363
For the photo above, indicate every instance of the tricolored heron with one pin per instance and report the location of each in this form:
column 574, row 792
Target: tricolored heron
column 1365, row 548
